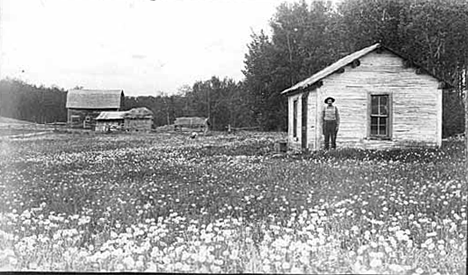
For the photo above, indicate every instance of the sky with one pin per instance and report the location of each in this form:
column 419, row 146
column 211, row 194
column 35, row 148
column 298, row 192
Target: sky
column 144, row 47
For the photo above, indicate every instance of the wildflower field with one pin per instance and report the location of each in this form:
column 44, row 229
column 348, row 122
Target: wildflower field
column 221, row 203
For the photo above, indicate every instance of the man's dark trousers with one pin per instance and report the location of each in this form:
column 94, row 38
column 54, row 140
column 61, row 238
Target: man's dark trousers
column 329, row 130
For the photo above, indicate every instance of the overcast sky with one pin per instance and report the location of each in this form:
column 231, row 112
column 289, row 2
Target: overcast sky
column 141, row 46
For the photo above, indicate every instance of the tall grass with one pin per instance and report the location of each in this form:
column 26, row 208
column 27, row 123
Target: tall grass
column 228, row 204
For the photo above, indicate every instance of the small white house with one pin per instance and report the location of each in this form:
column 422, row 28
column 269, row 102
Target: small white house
column 384, row 101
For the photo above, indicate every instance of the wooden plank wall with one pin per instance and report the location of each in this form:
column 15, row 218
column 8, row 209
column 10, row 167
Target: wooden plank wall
column 417, row 103
column 312, row 120
column 82, row 113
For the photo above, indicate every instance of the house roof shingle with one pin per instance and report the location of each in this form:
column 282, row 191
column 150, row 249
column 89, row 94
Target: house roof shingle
column 94, row 99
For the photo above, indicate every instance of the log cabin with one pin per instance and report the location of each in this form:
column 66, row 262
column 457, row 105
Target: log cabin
column 384, row 101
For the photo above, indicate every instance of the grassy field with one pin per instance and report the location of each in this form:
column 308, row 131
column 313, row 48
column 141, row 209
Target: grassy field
column 228, row 203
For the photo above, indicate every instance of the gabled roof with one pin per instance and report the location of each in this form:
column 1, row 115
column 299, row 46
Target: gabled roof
column 332, row 68
column 344, row 62
column 111, row 115
column 94, row 99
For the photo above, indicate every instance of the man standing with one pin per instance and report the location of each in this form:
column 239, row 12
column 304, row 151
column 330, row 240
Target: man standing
column 331, row 123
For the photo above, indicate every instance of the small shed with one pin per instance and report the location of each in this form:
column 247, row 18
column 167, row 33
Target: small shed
column 138, row 119
column 85, row 105
column 384, row 101
column 110, row 121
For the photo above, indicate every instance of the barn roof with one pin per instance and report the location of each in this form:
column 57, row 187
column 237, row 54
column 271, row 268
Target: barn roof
column 344, row 62
column 111, row 115
column 94, row 99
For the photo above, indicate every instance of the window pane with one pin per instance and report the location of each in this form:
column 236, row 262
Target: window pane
column 383, row 126
column 374, row 126
column 375, row 105
column 382, row 130
column 384, row 105
column 383, row 110
column 383, row 100
column 383, row 121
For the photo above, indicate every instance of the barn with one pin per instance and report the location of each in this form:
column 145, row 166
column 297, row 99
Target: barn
column 85, row 105
column 384, row 100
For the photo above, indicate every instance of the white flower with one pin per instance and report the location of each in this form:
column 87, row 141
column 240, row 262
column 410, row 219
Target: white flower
column 376, row 262
column 396, row 268
column 361, row 249
column 129, row 262
column 296, row 270
column 119, row 267
column 178, row 266
column 215, row 269
column 151, row 267
column 234, row 254
column 139, row 264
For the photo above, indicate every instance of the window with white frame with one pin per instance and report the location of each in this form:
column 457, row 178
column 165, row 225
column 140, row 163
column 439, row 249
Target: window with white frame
column 380, row 111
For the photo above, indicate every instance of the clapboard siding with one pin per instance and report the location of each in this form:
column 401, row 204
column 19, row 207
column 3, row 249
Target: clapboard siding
column 312, row 120
column 416, row 104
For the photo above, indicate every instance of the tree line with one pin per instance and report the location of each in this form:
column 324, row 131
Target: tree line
column 304, row 38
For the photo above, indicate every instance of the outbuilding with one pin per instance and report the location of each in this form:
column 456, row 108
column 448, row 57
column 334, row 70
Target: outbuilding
column 110, row 121
column 138, row 119
column 384, row 101
column 135, row 120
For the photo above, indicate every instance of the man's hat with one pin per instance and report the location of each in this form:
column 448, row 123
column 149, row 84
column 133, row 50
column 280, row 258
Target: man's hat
column 326, row 99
